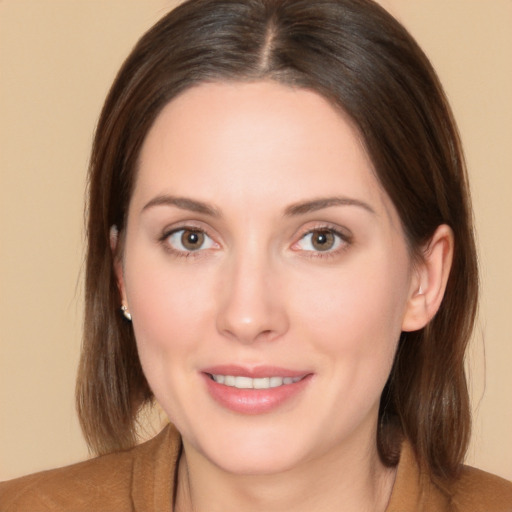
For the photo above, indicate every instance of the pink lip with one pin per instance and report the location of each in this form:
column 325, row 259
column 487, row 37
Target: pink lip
column 253, row 401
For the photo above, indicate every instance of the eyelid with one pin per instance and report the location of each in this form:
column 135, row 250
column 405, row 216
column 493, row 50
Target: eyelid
column 311, row 227
column 184, row 223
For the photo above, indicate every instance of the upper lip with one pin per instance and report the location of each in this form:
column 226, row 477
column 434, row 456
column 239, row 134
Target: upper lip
column 255, row 372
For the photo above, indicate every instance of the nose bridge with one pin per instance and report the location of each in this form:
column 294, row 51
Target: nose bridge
column 250, row 306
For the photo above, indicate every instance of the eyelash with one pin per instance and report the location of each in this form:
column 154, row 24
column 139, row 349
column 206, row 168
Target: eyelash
column 344, row 241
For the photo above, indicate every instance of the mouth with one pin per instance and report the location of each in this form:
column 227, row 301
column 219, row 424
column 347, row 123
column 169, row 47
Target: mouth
column 255, row 390
column 243, row 382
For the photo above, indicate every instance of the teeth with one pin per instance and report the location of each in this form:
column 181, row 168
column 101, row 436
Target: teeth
column 263, row 383
column 248, row 383
column 243, row 382
column 275, row 382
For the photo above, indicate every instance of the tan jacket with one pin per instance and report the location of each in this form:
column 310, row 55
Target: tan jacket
column 143, row 480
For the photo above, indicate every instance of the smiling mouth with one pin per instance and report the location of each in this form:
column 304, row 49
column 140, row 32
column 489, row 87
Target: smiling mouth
column 242, row 382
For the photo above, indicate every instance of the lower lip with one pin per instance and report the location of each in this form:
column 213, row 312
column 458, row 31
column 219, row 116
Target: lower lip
column 254, row 401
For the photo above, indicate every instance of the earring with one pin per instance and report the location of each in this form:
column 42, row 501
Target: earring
column 420, row 291
column 126, row 313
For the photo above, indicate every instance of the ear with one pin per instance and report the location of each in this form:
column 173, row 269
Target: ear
column 429, row 281
column 117, row 261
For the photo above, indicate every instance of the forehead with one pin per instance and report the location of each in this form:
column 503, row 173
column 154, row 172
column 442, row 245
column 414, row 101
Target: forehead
column 250, row 139
column 213, row 113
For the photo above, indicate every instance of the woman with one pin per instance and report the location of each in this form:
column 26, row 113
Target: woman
column 279, row 209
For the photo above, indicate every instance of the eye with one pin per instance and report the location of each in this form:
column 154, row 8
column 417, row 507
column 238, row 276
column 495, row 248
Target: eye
column 321, row 240
column 189, row 240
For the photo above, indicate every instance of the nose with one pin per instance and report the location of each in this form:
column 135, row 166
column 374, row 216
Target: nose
column 251, row 305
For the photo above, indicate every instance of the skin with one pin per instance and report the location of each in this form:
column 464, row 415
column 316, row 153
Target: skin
column 259, row 292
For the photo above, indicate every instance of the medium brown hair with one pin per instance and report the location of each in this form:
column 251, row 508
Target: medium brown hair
column 363, row 61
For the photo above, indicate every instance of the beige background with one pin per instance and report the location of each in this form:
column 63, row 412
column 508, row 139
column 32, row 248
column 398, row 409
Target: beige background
column 57, row 60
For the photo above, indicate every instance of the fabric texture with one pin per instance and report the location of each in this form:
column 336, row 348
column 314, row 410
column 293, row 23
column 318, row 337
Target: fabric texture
column 143, row 479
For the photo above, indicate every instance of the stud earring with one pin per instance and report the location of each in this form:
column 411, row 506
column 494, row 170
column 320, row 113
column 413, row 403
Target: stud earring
column 126, row 313
column 420, row 291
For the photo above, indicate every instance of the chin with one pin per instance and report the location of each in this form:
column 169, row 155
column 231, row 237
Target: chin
column 258, row 462
column 264, row 451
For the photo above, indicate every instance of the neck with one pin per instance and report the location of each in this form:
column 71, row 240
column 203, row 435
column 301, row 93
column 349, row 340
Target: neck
column 347, row 480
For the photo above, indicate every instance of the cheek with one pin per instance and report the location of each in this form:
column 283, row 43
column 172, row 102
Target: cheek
column 170, row 308
column 358, row 313
column 355, row 327
column 170, row 313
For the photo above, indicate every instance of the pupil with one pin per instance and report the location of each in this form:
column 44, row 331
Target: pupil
column 321, row 238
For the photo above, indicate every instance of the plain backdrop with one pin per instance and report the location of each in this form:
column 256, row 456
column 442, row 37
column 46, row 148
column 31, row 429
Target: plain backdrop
column 57, row 61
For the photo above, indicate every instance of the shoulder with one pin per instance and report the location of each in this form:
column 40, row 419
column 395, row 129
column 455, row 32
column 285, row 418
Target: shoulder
column 472, row 491
column 72, row 487
column 478, row 491
column 100, row 484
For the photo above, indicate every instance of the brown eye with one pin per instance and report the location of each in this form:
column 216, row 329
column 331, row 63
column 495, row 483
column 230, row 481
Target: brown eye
column 323, row 240
column 188, row 240
column 192, row 240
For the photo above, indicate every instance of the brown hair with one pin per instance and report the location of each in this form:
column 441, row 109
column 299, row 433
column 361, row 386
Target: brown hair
column 361, row 59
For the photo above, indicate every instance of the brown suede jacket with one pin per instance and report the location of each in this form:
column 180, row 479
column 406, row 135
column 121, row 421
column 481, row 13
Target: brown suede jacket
column 143, row 480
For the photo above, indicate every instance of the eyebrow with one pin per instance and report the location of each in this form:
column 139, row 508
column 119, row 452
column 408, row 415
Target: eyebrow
column 183, row 203
column 304, row 207
column 301, row 208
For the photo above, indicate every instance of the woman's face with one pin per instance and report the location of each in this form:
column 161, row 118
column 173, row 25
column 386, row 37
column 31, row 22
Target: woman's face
column 261, row 252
